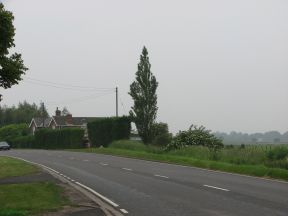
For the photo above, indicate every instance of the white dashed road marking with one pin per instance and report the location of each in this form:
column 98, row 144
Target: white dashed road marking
column 218, row 188
column 161, row 176
column 127, row 169
column 104, row 164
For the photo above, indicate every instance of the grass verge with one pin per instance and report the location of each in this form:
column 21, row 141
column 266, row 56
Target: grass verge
column 252, row 170
column 30, row 198
column 10, row 167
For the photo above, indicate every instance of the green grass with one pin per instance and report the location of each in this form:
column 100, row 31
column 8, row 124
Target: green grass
column 30, row 198
column 247, row 161
column 10, row 167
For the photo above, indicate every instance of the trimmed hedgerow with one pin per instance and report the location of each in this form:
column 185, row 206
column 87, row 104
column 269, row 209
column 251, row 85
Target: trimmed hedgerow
column 103, row 131
column 59, row 139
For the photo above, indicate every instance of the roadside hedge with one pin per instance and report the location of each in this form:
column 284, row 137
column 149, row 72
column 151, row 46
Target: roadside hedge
column 22, row 142
column 66, row 138
column 105, row 130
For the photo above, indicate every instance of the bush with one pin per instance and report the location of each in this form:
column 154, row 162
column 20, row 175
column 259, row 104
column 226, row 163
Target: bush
column 59, row 139
column 161, row 134
column 198, row 136
column 9, row 132
column 22, row 142
column 105, row 130
column 277, row 153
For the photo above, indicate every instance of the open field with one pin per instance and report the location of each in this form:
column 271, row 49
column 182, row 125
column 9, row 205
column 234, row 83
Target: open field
column 250, row 160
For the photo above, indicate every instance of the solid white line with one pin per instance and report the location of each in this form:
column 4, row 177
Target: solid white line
column 99, row 195
column 127, row 169
column 218, row 188
column 161, row 176
column 124, row 211
column 104, row 164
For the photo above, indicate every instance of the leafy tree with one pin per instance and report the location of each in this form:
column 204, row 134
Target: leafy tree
column 65, row 111
column 143, row 92
column 11, row 67
column 23, row 113
column 161, row 135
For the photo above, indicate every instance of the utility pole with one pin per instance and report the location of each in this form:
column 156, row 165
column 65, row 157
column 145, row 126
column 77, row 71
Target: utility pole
column 43, row 114
column 116, row 101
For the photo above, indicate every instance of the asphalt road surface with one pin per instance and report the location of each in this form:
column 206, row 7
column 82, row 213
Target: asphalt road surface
column 146, row 188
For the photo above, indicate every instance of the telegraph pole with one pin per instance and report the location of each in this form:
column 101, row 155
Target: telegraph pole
column 43, row 109
column 116, row 101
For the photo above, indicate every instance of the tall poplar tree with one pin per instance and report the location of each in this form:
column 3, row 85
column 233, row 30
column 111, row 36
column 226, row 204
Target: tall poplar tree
column 143, row 92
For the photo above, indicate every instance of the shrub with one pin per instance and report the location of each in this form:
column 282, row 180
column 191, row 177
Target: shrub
column 103, row 131
column 161, row 134
column 277, row 153
column 198, row 136
column 59, row 139
column 12, row 131
column 22, row 142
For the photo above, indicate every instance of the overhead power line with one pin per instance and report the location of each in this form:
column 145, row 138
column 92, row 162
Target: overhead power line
column 65, row 86
column 80, row 99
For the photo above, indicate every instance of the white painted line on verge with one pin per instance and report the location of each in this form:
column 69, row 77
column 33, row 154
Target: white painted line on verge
column 161, row 176
column 124, row 211
column 127, row 169
column 104, row 164
column 99, row 195
column 218, row 188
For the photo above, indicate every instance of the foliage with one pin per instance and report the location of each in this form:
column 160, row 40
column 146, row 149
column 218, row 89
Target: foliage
column 65, row 111
column 22, row 142
column 12, row 67
column 198, row 136
column 278, row 153
column 23, row 113
column 10, row 132
column 143, row 92
column 105, row 130
column 161, row 134
column 58, row 139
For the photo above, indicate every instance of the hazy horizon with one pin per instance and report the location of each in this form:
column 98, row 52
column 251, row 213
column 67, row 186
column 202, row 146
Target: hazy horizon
column 222, row 64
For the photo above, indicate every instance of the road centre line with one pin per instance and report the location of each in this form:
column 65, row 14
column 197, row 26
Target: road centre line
column 218, row 188
column 85, row 160
column 127, row 169
column 104, row 164
column 161, row 176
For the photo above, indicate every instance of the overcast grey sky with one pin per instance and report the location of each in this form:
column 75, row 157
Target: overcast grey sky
column 219, row 63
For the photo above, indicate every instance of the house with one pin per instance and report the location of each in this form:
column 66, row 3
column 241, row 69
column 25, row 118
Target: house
column 58, row 121
column 38, row 123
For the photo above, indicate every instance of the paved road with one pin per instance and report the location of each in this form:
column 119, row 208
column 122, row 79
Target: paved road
column 146, row 188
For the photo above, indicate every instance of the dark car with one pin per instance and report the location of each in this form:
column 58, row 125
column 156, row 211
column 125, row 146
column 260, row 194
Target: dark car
column 4, row 146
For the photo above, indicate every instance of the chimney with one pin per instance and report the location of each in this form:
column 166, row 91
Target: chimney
column 69, row 119
column 57, row 112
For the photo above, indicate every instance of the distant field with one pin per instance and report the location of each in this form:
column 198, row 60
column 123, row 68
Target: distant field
column 256, row 160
